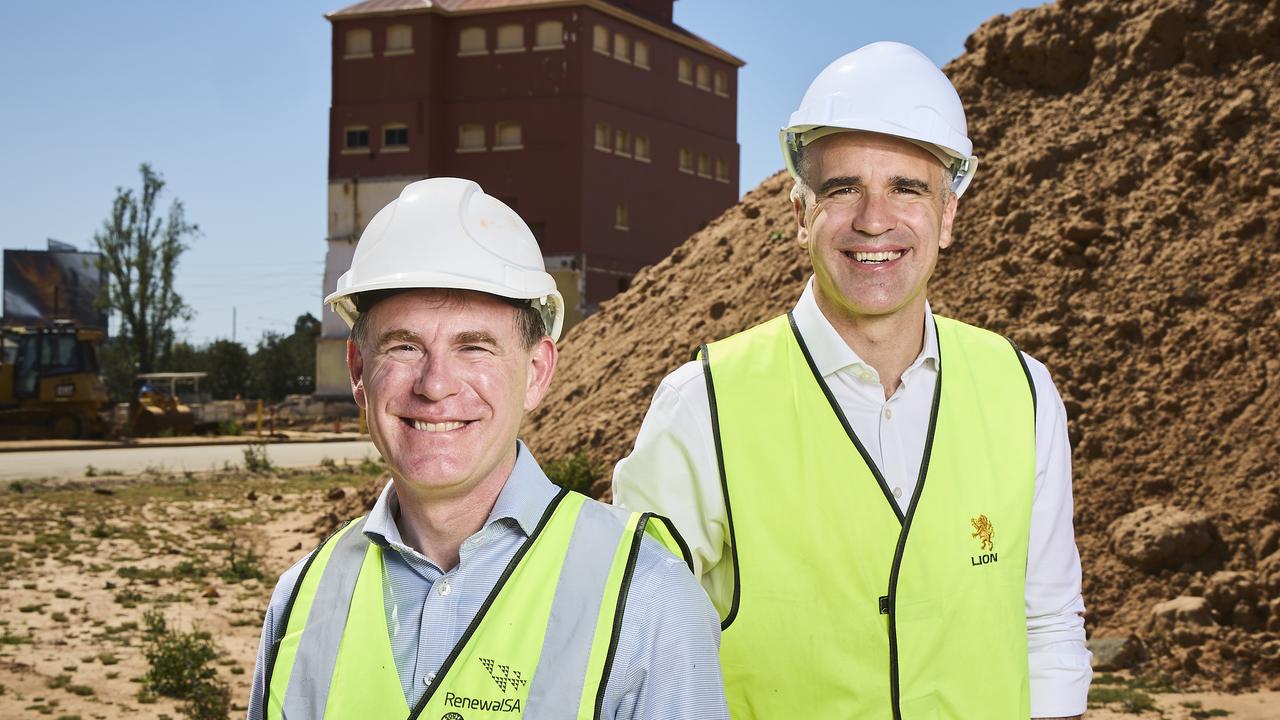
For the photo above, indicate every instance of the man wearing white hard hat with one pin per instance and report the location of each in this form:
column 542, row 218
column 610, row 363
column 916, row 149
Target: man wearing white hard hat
column 475, row 588
column 877, row 499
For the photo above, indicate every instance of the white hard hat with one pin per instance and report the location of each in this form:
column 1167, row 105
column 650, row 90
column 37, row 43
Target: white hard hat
column 447, row 233
column 889, row 88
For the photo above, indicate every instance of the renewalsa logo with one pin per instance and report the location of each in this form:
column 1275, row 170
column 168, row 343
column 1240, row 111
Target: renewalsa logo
column 462, row 702
column 503, row 675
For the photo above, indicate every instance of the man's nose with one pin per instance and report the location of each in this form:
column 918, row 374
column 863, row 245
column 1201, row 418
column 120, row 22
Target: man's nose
column 873, row 215
column 437, row 378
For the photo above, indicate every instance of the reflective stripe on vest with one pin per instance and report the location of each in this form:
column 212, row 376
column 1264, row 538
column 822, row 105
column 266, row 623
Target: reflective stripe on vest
column 536, row 649
column 843, row 605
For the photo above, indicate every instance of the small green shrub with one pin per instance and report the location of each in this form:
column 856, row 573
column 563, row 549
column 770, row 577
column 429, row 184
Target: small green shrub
column 230, row 427
column 578, row 472
column 182, row 667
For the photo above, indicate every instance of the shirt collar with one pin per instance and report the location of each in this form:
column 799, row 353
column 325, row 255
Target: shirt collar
column 523, row 499
column 831, row 353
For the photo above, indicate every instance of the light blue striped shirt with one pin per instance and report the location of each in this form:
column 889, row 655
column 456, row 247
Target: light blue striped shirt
column 666, row 665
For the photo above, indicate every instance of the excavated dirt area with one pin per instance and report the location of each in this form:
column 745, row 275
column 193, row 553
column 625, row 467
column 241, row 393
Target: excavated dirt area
column 1123, row 228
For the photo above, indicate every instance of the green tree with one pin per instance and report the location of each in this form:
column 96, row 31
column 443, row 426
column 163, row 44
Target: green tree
column 226, row 362
column 140, row 253
column 285, row 364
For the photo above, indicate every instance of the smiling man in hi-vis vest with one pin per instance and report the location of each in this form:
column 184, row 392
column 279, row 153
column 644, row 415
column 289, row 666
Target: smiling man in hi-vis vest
column 877, row 499
column 475, row 589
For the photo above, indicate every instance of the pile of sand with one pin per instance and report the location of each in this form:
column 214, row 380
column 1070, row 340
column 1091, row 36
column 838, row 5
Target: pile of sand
column 1123, row 228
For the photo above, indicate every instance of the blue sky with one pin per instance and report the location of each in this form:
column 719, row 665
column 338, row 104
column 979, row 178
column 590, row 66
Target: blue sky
column 229, row 101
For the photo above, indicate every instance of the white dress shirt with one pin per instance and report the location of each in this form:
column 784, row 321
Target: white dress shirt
column 673, row 470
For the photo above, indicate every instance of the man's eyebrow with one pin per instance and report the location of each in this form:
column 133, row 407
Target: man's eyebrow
column 837, row 182
column 474, row 337
column 394, row 336
column 910, row 183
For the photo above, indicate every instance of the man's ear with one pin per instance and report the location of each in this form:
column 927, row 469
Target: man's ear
column 542, row 366
column 948, row 220
column 355, row 366
column 798, row 208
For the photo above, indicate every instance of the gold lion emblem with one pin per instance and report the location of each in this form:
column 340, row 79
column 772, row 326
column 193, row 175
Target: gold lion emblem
column 984, row 531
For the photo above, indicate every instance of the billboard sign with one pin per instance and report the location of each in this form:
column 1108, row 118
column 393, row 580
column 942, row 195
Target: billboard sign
column 41, row 286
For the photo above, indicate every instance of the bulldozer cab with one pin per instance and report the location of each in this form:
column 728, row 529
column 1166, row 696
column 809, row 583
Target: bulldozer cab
column 49, row 381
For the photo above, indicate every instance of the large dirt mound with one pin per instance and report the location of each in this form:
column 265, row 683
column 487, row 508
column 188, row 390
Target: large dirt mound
column 1123, row 229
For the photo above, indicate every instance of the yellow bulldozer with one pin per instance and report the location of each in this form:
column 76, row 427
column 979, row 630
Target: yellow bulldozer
column 50, row 384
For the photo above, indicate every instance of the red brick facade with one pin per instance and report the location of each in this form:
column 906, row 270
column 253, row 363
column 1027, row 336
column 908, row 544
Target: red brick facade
column 565, row 187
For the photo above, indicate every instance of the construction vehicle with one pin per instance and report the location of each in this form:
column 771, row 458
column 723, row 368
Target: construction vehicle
column 170, row 403
column 50, row 384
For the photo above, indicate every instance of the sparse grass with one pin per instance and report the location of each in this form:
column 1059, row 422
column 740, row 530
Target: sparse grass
column 371, row 466
column 247, row 566
column 1128, row 699
column 57, row 681
column 62, row 594
column 256, row 459
column 107, row 658
column 81, row 690
column 577, row 472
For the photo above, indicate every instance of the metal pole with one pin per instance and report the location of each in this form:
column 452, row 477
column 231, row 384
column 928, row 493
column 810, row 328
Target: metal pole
column 259, row 418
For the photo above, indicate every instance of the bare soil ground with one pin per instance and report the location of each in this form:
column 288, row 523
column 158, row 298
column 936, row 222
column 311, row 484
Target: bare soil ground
column 80, row 565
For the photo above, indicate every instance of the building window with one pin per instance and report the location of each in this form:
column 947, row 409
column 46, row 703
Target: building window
column 620, row 220
column 395, row 137
column 471, row 138
column 704, row 77
column 356, row 137
column 641, row 55
column 549, row 35
column 510, row 39
column 600, row 39
column 622, row 143
column 722, row 170
column 471, row 41
column 704, row 165
column 642, row 148
column 399, row 40
column 621, row 47
column 684, row 71
column 359, row 44
column 686, row 161
column 722, row 84
column 602, row 136
column 507, row 136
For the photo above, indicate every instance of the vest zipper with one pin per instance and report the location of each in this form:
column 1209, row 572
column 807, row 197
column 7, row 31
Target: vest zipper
column 895, row 690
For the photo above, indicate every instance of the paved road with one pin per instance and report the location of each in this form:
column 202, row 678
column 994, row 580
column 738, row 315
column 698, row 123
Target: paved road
column 72, row 464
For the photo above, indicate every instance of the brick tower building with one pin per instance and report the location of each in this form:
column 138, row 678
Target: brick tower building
column 607, row 127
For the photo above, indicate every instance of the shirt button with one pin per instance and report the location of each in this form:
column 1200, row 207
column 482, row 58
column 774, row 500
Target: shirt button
column 897, row 492
column 427, row 680
column 888, row 413
column 444, row 588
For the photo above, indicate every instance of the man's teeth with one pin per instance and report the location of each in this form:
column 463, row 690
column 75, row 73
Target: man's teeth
column 878, row 256
column 436, row 427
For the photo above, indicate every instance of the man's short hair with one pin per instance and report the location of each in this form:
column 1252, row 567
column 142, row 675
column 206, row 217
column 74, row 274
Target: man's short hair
column 529, row 325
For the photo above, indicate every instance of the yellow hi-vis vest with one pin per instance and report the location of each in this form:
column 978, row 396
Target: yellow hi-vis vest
column 541, row 646
column 843, row 606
